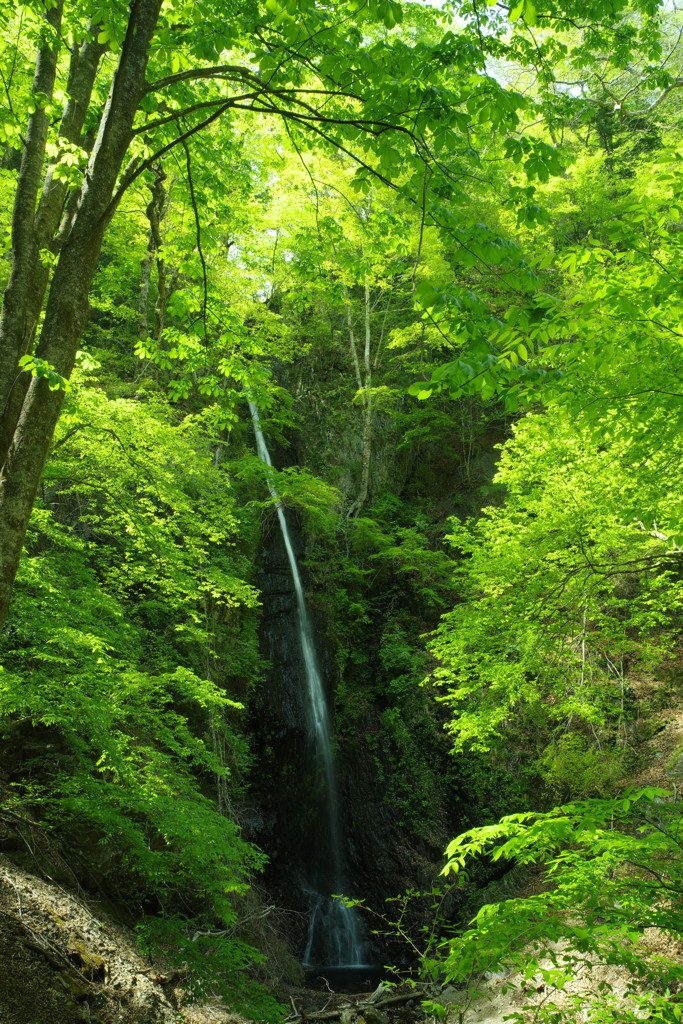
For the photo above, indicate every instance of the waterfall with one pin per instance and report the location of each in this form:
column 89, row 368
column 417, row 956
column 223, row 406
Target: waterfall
column 335, row 935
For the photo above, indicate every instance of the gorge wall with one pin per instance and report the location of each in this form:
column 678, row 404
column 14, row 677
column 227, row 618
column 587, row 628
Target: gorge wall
column 402, row 795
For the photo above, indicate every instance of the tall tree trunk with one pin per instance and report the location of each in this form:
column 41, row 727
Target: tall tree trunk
column 13, row 320
column 154, row 212
column 365, row 387
column 166, row 277
column 84, row 64
column 67, row 303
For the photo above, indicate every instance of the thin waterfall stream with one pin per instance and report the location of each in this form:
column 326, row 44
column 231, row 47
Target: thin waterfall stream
column 335, row 935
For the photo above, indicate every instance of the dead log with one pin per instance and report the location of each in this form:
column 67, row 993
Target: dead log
column 402, row 997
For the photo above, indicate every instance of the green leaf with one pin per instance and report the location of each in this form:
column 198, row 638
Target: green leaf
column 516, row 11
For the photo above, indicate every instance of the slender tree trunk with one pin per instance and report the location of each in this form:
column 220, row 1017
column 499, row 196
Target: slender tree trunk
column 82, row 73
column 368, row 409
column 155, row 211
column 13, row 320
column 67, row 303
column 166, row 278
column 352, row 341
column 365, row 387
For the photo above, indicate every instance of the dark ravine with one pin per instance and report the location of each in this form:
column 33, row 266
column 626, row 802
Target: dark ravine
column 336, row 937
column 383, row 858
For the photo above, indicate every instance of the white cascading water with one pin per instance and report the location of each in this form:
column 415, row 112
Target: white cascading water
column 335, row 936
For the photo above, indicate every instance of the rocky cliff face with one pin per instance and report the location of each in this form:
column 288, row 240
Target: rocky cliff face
column 399, row 790
column 385, row 855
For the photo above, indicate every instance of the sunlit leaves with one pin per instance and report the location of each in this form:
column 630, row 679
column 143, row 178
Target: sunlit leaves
column 546, row 616
column 539, row 159
column 525, row 10
column 612, row 867
column 133, row 571
column 41, row 368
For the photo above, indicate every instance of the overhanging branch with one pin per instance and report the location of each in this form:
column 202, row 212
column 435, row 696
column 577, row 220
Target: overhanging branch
column 138, row 168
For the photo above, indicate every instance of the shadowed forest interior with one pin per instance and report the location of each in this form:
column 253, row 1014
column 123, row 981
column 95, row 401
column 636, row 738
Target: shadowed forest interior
column 341, row 511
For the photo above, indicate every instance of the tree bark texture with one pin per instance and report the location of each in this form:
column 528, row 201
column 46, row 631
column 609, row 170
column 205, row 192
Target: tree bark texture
column 67, row 301
column 166, row 279
column 13, row 320
column 50, row 212
column 364, row 381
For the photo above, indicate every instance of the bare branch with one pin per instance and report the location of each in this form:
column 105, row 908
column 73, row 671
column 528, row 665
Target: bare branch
column 676, row 84
column 198, row 226
column 228, row 71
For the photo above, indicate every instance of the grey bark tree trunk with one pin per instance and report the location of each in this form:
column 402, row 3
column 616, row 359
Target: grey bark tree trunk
column 155, row 211
column 166, row 278
column 364, row 381
column 43, row 232
column 13, row 320
column 67, row 302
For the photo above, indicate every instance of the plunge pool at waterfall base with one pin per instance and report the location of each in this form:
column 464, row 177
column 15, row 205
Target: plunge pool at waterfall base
column 346, row 977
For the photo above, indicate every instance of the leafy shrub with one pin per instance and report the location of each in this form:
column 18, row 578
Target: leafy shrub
column 564, row 590
column 613, row 869
column 113, row 695
column 210, row 962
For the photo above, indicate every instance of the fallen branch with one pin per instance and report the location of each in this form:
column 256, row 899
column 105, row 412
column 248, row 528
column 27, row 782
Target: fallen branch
column 405, row 997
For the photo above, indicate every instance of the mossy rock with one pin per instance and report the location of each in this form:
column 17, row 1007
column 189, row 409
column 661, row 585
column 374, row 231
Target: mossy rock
column 74, row 986
column 674, row 766
column 91, row 965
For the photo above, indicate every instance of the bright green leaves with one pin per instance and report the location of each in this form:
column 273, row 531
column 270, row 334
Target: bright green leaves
column 280, row 10
column 387, row 12
column 546, row 618
column 68, row 161
column 532, row 837
column 440, row 302
column 10, row 128
column 599, row 323
column 173, row 547
column 111, row 20
column 391, row 13
column 205, row 33
column 620, row 314
column 539, row 159
column 612, row 867
column 462, row 376
column 524, row 10
column 464, row 323
column 490, row 103
column 294, row 17
column 122, row 598
column 41, row 368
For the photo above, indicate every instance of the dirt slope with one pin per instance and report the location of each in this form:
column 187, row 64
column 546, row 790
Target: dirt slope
column 64, row 960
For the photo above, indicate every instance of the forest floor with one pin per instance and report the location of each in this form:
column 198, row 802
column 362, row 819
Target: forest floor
column 65, row 958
